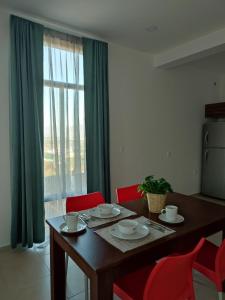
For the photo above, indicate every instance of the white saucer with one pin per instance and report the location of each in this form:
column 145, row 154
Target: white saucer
column 96, row 213
column 80, row 227
column 179, row 219
column 141, row 232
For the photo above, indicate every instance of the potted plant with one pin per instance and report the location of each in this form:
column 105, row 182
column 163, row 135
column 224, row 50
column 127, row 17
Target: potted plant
column 156, row 191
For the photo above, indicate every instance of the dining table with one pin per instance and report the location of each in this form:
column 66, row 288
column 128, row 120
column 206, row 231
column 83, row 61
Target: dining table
column 104, row 264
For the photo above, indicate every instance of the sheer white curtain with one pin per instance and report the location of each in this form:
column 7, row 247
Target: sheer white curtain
column 64, row 117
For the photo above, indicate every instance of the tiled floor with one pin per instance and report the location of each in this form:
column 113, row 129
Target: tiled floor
column 25, row 275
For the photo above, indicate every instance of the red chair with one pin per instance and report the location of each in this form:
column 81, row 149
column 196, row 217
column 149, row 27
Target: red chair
column 77, row 203
column 170, row 279
column 128, row 193
column 210, row 262
column 83, row 202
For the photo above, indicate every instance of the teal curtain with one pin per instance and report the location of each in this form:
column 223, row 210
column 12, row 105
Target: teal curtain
column 26, row 120
column 97, row 116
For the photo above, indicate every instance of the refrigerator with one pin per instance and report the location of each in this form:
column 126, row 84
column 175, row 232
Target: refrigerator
column 213, row 159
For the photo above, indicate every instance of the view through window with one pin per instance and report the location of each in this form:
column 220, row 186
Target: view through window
column 64, row 117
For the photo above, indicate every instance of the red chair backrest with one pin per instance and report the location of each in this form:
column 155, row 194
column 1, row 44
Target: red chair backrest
column 83, row 202
column 171, row 279
column 220, row 262
column 128, row 193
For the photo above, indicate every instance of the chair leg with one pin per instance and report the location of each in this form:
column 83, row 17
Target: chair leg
column 220, row 294
column 86, row 287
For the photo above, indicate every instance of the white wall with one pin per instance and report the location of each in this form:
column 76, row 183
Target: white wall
column 222, row 87
column 155, row 119
column 5, row 201
column 152, row 112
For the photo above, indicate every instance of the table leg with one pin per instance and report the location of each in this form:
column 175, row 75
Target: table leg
column 102, row 287
column 57, row 263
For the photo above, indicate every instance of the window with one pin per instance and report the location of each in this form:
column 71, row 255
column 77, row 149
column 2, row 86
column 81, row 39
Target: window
column 64, row 117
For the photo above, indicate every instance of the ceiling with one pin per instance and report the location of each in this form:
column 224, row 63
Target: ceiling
column 125, row 21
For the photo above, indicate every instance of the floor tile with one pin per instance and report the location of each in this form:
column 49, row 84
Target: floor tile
column 21, row 268
column 204, row 293
column 81, row 296
column 216, row 238
column 202, row 280
column 75, row 279
column 38, row 290
column 46, row 259
column 204, row 288
column 44, row 249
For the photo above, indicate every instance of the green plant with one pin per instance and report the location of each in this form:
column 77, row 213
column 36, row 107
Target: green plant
column 154, row 186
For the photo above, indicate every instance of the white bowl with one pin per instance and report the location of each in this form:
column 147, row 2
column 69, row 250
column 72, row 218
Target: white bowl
column 127, row 226
column 105, row 209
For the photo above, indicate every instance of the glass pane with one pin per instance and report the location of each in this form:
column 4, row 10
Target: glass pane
column 64, row 124
column 63, row 66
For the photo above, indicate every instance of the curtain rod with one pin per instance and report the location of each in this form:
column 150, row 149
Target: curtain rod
column 51, row 24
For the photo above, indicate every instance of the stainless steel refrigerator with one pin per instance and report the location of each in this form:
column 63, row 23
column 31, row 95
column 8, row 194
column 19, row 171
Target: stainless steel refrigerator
column 213, row 159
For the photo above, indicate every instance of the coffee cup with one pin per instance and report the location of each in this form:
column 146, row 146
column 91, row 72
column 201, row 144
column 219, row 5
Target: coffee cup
column 170, row 212
column 127, row 226
column 71, row 220
column 105, row 209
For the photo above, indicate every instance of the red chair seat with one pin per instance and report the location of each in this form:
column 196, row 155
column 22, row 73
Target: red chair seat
column 131, row 286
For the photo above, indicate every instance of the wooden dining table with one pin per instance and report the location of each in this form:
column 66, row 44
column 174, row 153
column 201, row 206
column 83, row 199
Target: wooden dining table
column 103, row 263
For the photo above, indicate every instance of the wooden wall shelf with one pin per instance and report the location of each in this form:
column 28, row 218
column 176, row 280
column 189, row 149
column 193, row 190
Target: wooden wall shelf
column 215, row 110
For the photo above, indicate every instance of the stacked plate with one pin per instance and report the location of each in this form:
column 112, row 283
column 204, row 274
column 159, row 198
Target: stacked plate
column 105, row 211
column 129, row 230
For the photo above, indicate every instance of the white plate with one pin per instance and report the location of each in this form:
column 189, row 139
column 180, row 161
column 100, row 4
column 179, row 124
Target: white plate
column 96, row 213
column 179, row 219
column 141, row 232
column 80, row 227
